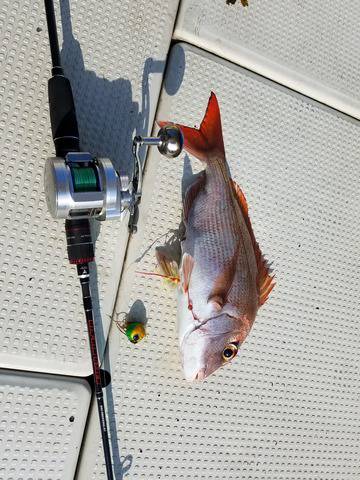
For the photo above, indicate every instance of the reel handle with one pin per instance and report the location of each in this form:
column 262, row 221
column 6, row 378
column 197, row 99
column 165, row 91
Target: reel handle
column 170, row 142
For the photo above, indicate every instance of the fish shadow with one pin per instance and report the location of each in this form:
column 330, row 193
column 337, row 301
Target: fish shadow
column 172, row 246
column 188, row 176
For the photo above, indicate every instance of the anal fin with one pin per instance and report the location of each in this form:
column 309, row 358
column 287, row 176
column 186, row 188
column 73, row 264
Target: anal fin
column 264, row 280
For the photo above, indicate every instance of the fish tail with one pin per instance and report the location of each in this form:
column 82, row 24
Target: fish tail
column 208, row 138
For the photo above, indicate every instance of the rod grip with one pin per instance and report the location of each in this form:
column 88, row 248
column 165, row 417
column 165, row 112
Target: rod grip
column 64, row 125
column 80, row 247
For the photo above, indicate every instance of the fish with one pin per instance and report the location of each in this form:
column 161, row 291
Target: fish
column 223, row 277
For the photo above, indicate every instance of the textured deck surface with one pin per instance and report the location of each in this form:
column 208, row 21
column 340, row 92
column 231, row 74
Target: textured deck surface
column 309, row 46
column 115, row 59
column 288, row 407
column 42, row 421
column 115, row 76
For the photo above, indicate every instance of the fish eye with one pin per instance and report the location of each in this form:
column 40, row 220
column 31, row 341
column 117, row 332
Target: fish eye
column 229, row 352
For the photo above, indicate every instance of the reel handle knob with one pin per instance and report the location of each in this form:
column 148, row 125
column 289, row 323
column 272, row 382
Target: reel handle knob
column 170, row 141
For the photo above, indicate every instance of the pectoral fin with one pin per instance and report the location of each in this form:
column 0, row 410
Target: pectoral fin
column 168, row 266
column 186, row 269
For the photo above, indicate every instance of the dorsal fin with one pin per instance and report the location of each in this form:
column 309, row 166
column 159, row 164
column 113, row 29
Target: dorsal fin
column 265, row 281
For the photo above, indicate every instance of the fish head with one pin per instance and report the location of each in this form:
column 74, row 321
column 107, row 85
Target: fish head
column 210, row 346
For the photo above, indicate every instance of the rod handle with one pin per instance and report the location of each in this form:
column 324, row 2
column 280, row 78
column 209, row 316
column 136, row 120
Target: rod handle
column 64, row 124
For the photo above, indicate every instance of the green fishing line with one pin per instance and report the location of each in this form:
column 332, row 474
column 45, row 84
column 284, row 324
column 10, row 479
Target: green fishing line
column 85, row 179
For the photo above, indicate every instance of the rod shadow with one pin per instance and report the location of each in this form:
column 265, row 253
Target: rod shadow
column 108, row 118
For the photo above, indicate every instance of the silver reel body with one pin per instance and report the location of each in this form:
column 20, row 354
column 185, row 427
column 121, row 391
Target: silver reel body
column 81, row 186
column 67, row 200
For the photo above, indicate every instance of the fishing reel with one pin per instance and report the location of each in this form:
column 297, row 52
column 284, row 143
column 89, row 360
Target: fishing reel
column 81, row 186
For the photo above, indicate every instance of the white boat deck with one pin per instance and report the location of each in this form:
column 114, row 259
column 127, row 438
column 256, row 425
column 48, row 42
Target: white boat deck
column 288, row 407
column 311, row 47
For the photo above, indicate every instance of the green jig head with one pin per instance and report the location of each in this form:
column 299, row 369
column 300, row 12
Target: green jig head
column 135, row 332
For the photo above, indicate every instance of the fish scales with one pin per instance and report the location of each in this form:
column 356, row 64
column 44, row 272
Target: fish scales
column 215, row 229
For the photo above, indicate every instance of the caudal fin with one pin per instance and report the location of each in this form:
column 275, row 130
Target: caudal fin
column 208, row 138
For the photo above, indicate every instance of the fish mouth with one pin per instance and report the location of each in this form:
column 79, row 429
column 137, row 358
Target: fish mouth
column 201, row 375
column 196, row 367
column 198, row 376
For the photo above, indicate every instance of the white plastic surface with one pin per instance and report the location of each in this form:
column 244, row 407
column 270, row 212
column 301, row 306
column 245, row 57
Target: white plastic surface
column 311, row 47
column 114, row 57
column 42, row 419
column 288, row 406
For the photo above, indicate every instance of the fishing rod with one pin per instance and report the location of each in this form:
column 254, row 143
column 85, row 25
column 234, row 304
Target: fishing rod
column 79, row 187
column 69, row 160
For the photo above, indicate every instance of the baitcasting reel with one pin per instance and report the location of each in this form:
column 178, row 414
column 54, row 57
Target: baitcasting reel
column 80, row 186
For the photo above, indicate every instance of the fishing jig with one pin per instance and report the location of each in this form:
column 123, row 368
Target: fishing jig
column 135, row 331
column 80, row 187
